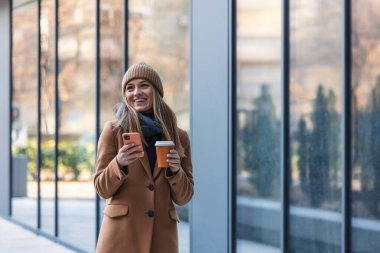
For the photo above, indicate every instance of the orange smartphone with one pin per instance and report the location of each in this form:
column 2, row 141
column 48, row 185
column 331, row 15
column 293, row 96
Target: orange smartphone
column 129, row 138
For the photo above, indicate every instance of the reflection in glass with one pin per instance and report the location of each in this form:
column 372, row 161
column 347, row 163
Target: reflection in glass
column 47, row 116
column 77, row 123
column 24, row 113
column 258, row 138
column 112, row 52
column 159, row 35
column 315, row 111
column 365, row 126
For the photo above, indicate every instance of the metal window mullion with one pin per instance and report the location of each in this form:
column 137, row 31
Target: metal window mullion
column 39, row 115
column 126, row 36
column 10, row 105
column 233, row 128
column 56, row 134
column 97, row 109
column 347, row 80
column 285, row 171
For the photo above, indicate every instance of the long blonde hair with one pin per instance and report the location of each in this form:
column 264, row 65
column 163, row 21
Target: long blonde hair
column 130, row 122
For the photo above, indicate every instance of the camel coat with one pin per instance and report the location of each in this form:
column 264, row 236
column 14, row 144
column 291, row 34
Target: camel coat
column 139, row 216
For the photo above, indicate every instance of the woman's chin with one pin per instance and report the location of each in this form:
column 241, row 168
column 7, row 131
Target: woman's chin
column 143, row 109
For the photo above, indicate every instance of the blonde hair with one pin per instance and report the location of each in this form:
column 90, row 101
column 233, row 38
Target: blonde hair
column 162, row 113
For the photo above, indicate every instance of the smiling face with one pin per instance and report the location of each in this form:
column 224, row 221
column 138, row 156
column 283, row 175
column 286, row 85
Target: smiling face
column 139, row 94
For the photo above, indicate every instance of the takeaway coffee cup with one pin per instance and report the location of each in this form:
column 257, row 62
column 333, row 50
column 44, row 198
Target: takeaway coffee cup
column 162, row 149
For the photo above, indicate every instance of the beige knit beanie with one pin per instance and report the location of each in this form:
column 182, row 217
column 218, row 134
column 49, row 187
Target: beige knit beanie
column 143, row 71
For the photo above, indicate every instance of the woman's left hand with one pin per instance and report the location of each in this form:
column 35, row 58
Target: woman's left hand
column 174, row 161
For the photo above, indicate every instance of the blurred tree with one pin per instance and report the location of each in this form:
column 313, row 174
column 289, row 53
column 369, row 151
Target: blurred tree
column 262, row 144
column 319, row 152
column 333, row 132
column 303, row 153
column 374, row 147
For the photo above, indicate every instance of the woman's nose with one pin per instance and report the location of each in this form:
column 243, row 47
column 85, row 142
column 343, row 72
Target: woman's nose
column 137, row 91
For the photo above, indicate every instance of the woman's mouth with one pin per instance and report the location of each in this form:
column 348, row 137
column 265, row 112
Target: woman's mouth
column 140, row 101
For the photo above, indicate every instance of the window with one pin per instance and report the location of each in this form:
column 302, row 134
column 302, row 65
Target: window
column 365, row 106
column 24, row 111
column 258, row 210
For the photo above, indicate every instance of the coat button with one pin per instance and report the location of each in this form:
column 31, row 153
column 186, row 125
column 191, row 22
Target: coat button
column 151, row 187
column 150, row 213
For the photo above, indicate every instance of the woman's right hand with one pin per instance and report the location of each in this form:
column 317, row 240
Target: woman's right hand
column 128, row 154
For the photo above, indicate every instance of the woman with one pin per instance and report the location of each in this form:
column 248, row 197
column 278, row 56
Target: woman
column 140, row 216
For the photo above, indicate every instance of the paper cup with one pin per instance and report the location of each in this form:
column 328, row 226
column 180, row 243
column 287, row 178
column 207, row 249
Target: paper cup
column 162, row 149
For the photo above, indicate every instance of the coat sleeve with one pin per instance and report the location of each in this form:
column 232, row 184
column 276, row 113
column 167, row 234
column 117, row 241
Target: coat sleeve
column 109, row 176
column 182, row 183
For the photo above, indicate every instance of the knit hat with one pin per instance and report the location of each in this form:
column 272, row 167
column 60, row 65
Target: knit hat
column 143, row 71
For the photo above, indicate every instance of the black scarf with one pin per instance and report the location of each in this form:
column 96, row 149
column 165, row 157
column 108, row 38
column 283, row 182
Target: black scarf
column 149, row 125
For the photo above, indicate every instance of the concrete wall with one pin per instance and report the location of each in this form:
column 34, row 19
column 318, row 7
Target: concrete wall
column 210, row 130
column 4, row 105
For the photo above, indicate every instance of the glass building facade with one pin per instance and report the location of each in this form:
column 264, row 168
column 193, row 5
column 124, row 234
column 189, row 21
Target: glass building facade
column 64, row 88
column 281, row 99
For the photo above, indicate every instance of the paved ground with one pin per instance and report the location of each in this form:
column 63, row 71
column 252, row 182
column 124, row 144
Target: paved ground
column 15, row 239
column 76, row 221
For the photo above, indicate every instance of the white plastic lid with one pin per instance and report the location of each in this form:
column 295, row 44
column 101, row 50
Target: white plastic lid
column 164, row 143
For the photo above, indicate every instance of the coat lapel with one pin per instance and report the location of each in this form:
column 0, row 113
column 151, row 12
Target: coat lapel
column 145, row 163
column 156, row 171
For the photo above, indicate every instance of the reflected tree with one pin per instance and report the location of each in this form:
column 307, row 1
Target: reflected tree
column 367, row 141
column 374, row 146
column 262, row 144
column 319, row 163
column 333, row 139
column 319, row 150
column 303, row 152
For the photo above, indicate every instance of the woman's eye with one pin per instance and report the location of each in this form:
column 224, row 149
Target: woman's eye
column 129, row 88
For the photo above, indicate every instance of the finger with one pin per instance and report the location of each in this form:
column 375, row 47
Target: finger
column 137, row 153
column 131, row 158
column 173, row 151
column 173, row 156
column 126, row 147
column 173, row 161
column 134, row 150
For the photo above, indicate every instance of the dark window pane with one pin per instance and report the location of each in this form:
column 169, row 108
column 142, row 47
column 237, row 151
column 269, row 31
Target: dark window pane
column 365, row 126
column 316, row 97
column 259, row 118
column 24, row 110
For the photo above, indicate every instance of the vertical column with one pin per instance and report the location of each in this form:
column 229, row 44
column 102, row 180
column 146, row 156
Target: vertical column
column 286, row 162
column 57, row 115
column 126, row 18
column 38, row 134
column 347, row 170
column 5, row 102
column 97, row 108
column 210, row 125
